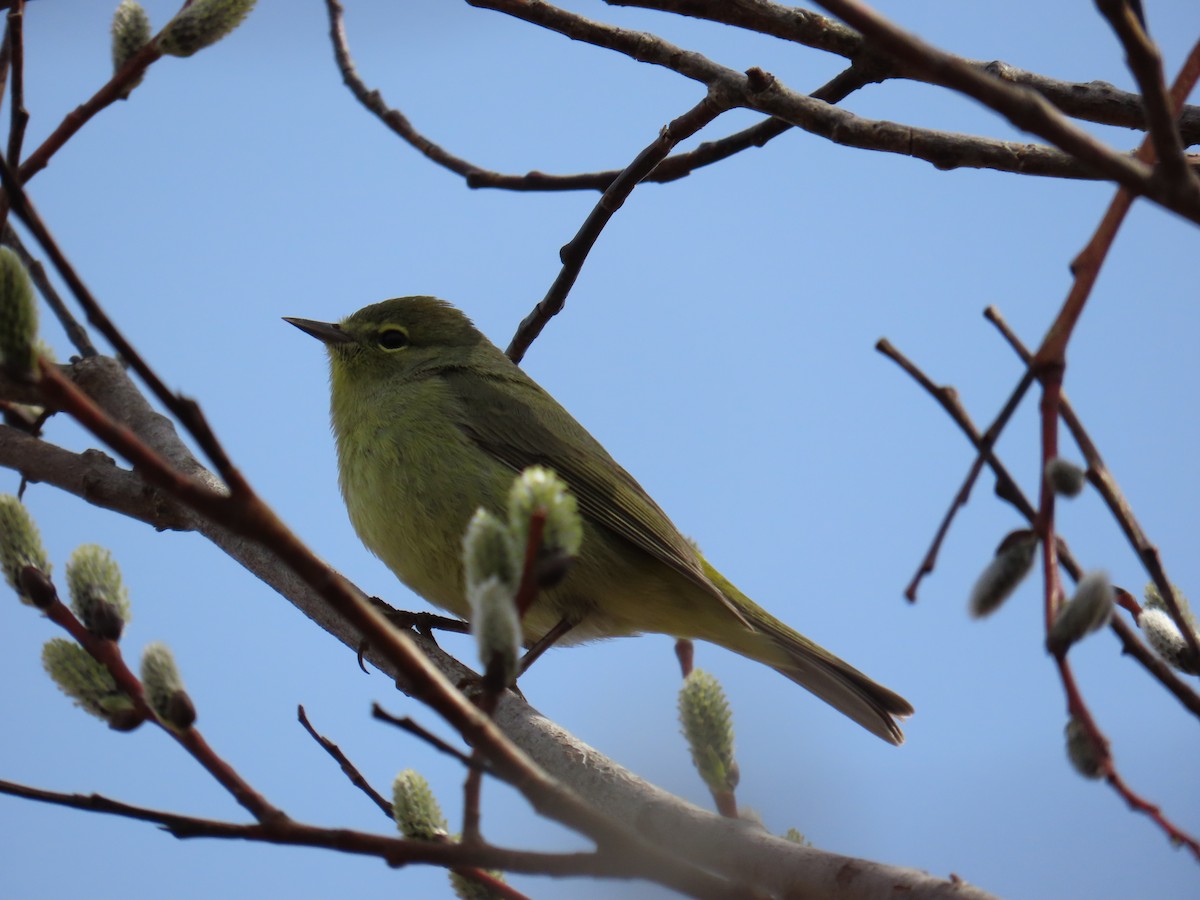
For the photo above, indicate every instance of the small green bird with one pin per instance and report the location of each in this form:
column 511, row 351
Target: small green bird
column 433, row 421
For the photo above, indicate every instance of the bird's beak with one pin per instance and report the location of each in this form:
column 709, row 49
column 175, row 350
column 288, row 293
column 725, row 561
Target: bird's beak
column 326, row 332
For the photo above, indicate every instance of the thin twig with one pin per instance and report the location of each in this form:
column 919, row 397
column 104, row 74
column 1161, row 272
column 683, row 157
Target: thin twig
column 1024, row 108
column 394, row 851
column 1010, row 491
column 1102, row 478
column 18, row 114
column 1092, row 101
column 1028, row 110
column 576, row 250
column 672, row 168
column 185, row 410
column 406, row 723
column 76, row 333
column 1145, row 62
column 108, row 654
column 949, row 400
column 114, row 89
column 348, row 768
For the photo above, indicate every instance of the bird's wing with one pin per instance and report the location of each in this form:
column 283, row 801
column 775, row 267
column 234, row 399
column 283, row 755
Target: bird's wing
column 520, row 425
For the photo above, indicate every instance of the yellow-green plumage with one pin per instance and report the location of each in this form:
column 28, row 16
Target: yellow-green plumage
column 433, row 421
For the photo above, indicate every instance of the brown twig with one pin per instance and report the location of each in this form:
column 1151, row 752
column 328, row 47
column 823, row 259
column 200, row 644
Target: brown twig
column 14, row 45
column 948, row 398
column 394, row 851
column 185, row 410
column 76, row 333
column 576, row 250
column 672, row 168
column 1024, row 108
column 406, row 723
column 1093, row 101
column 1145, row 62
column 348, row 768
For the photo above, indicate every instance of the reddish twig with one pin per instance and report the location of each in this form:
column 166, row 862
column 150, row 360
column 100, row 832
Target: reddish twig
column 1010, row 491
column 1105, row 483
column 108, row 654
column 114, row 89
column 527, row 590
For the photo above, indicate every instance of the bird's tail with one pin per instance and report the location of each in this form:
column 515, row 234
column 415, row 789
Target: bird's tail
column 811, row 666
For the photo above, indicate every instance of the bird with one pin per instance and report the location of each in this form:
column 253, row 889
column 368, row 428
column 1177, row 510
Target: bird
column 432, row 422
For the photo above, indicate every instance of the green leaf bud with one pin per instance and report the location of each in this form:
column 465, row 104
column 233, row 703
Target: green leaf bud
column 86, row 681
column 130, row 33
column 1088, row 759
column 708, row 728
column 467, row 888
column 1065, row 477
column 488, row 552
column 20, row 544
column 1089, row 610
column 201, row 24
column 98, row 595
column 496, row 624
column 538, row 488
column 18, row 317
column 415, row 809
column 1006, row 571
column 1167, row 640
column 164, row 688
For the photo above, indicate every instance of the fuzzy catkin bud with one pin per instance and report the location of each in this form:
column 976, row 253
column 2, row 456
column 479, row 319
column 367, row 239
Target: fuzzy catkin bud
column 540, row 489
column 20, row 544
column 415, row 809
column 164, row 688
column 496, row 625
column 1006, row 571
column 1085, row 756
column 488, row 551
column 1065, row 477
column 130, row 33
column 1089, row 610
column 1167, row 640
column 88, row 683
column 98, row 595
column 708, row 728
column 201, row 25
column 18, row 317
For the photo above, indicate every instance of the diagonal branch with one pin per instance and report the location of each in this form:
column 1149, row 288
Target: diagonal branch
column 575, row 252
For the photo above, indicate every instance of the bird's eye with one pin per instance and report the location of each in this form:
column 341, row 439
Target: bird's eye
column 393, row 338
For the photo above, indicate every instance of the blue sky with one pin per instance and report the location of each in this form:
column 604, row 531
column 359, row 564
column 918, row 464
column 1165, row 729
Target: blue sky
column 719, row 342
